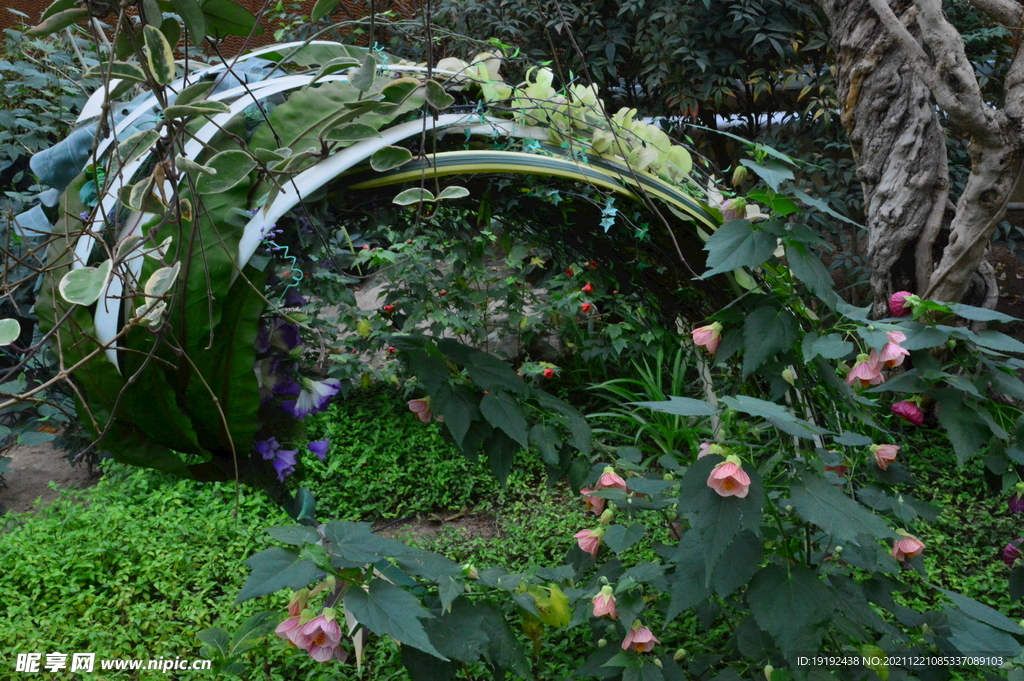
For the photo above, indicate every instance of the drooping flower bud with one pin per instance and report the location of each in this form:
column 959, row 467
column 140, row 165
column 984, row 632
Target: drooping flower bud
column 909, row 411
column 739, row 175
column 708, row 337
column 898, row 304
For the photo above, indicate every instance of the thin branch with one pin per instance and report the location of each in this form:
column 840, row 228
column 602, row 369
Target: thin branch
column 1006, row 12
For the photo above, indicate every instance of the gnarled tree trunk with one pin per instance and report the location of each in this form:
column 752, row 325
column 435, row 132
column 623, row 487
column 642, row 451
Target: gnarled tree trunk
column 896, row 60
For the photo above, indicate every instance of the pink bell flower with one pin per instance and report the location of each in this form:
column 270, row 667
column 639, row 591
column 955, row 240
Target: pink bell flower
column 595, row 504
column 291, row 631
column 604, row 603
column 421, row 408
column 323, row 635
column 590, row 540
column 729, row 480
column 884, row 455
column 639, row 638
column 898, row 304
column 1011, row 553
column 908, row 547
column 892, row 352
column 610, row 480
column 708, row 337
column 909, row 411
column 867, row 370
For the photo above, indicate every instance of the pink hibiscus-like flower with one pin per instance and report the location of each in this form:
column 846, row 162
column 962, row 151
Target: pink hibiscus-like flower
column 421, row 408
column 708, row 337
column 589, row 540
column 892, row 353
column 909, row 411
column 729, row 480
column 884, row 455
column 639, row 638
column 595, row 504
column 610, row 480
column 323, row 634
column 291, row 631
column 604, row 603
column 908, row 547
column 898, row 304
column 867, row 370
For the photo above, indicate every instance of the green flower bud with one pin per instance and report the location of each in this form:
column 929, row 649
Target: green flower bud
column 602, row 643
column 739, row 175
column 679, row 655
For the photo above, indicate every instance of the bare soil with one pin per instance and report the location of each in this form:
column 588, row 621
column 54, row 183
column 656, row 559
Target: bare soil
column 32, row 470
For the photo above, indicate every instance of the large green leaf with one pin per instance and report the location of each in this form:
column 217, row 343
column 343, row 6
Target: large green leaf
column 776, row 414
column 738, row 244
column 808, row 268
column 620, row 537
column 772, row 172
column 252, row 631
column 231, row 167
column 745, row 553
column 967, row 431
column 389, row 610
column 791, row 604
column 389, row 157
column 982, row 612
column 980, row 314
column 10, row 329
column 274, row 569
column 831, row 346
column 459, row 405
column 357, row 545
column 767, row 331
column 680, row 406
column 502, row 411
column 225, row 17
column 972, row 637
column 819, row 502
column 308, row 114
column 322, row 8
column 192, row 14
column 84, row 285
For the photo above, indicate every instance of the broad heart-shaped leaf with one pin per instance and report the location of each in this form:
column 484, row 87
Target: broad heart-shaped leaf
column 966, row 429
column 486, row 370
column 414, row 195
column 225, row 17
column 10, row 329
column 980, row 314
column 502, row 411
column 322, row 8
column 357, row 545
column 778, row 415
column 389, row 610
column 275, row 569
column 820, row 503
column 772, row 172
column 972, row 637
column 791, row 605
column 205, row 107
column 436, row 95
column 424, row 667
column 353, row 132
column 459, row 405
column 232, row 167
column 737, row 244
column 688, row 587
column 545, row 438
column 452, row 192
column 459, row 633
column 119, row 69
column 83, row 286
column 192, row 14
column 217, row 642
column 500, row 450
column 252, row 630
column 159, row 56
column 296, row 535
column 389, row 157
column 808, row 268
column 680, row 406
column 831, row 346
column 56, row 22
column 619, row 537
column 767, row 331
column 745, row 553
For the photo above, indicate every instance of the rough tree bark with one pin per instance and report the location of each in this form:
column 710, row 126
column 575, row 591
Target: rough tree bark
column 897, row 60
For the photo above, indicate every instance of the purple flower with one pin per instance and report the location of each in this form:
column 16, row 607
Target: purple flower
column 292, row 298
column 267, row 448
column 1011, row 553
column 274, row 378
column 320, row 448
column 314, row 397
column 277, row 333
column 1016, row 504
column 284, row 463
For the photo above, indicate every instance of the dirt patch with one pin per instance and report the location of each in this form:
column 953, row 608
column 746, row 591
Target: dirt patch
column 421, row 530
column 32, row 469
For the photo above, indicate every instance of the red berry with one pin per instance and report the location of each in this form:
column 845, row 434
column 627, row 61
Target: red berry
column 897, row 304
column 392, row 350
column 365, row 247
column 549, row 373
column 444, row 292
column 569, row 272
column 586, row 307
column 388, row 309
column 615, row 292
column 587, row 288
column 593, row 264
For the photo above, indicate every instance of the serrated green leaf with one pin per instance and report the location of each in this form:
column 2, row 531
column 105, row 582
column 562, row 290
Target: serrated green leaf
column 778, row 415
column 766, row 332
column 231, row 168
column 217, row 639
column 159, row 55
column 994, row 340
column 778, row 203
column 831, row 346
column 689, row 588
column 966, row 430
column 83, row 286
column 980, row 314
column 296, row 535
column 547, row 441
column 389, row 610
column 502, row 411
column 737, row 244
column 791, row 604
column 274, row 569
column 808, row 268
column 356, row 544
column 619, row 537
column 411, row 196
column 680, row 406
column 459, row 405
column 821, row 504
column 972, row 637
column 773, row 173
